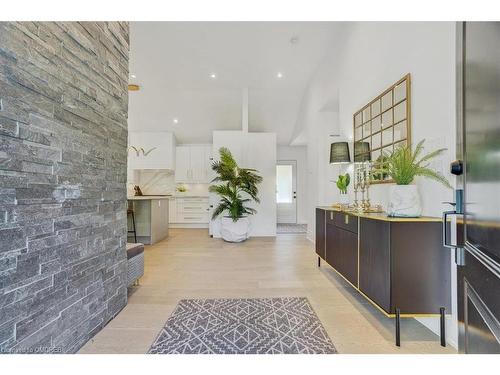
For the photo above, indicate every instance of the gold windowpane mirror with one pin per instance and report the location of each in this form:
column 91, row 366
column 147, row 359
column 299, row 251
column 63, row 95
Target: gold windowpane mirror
column 383, row 124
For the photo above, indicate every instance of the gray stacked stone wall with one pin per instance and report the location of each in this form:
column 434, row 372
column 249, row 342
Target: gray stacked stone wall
column 63, row 155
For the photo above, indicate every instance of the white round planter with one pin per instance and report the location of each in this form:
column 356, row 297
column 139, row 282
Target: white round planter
column 344, row 199
column 235, row 231
column 404, row 201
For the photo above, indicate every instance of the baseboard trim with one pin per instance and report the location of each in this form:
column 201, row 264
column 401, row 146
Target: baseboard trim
column 310, row 237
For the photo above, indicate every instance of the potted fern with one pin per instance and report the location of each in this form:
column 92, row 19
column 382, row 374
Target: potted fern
column 342, row 184
column 403, row 165
column 236, row 187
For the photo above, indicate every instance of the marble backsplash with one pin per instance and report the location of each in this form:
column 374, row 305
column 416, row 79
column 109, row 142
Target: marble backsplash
column 161, row 182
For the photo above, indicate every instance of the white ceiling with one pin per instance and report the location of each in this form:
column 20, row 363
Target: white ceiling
column 172, row 62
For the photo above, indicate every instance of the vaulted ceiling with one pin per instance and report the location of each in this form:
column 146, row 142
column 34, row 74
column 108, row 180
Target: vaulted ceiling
column 173, row 62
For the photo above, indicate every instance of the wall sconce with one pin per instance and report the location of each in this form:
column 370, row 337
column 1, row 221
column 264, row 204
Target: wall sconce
column 339, row 153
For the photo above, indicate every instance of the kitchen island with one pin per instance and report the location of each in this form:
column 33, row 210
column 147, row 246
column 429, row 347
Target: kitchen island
column 151, row 218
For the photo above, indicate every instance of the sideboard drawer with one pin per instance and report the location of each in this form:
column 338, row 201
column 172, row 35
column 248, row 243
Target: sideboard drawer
column 346, row 221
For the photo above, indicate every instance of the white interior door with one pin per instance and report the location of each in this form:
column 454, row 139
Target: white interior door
column 286, row 191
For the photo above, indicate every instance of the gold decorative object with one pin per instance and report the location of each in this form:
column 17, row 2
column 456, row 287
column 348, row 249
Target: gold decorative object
column 133, row 87
column 383, row 124
column 140, row 149
column 362, row 180
column 136, row 150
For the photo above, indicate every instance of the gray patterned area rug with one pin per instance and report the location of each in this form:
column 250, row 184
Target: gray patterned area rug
column 243, row 326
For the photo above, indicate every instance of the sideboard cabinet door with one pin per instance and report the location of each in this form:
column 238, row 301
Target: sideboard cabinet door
column 331, row 245
column 348, row 254
column 342, row 251
column 320, row 232
column 375, row 261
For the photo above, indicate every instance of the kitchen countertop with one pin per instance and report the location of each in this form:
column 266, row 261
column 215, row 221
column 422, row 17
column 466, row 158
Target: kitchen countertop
column 190, row 196
column 383, row 216
column 149, row 197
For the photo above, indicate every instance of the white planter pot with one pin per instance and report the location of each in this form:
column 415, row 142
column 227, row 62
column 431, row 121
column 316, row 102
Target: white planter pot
column 235, row 231
column 404, row 201
column 344, row 199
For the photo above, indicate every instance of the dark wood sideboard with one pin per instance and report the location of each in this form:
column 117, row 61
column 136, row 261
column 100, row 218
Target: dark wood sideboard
column 396, row 263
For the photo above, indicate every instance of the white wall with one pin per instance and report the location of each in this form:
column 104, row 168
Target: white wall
column 258, row 151
column 366, row 58
column 299, row 154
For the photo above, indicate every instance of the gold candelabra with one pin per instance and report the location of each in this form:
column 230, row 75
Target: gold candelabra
column 362, row 185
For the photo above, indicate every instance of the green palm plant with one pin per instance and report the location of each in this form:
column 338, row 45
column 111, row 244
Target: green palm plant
column 237, row 187
column 403, row 165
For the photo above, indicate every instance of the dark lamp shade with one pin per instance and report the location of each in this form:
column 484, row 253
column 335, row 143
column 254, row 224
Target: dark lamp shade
column 339, row 153
column 362, row 152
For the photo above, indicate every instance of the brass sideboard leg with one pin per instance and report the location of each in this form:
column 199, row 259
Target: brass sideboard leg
column 442, row 330
column 398, row 327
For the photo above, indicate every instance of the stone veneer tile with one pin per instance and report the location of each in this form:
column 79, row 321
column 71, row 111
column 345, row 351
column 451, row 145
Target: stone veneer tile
column 63, row 147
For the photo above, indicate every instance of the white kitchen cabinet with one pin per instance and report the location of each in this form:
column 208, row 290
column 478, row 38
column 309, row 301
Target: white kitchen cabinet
column 183, row 164
column 192, row 163
column 172, row 210
column 198, row 169
column 208, row 164
column 155, row 150
column 192, row 210
column 189, row 210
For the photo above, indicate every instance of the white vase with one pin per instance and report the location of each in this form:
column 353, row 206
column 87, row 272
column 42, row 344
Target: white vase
column 404, row 201
column 344, row 199
column 235, row 231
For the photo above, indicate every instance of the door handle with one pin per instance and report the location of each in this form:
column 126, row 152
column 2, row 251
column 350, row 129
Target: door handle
column 458, row 204
column 445, row 232
column 459, row 250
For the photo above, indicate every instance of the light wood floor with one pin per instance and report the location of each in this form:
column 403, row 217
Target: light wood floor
column 189, row 264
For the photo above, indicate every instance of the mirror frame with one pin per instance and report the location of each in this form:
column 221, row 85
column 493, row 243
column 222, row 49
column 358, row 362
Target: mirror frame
column 367, row 109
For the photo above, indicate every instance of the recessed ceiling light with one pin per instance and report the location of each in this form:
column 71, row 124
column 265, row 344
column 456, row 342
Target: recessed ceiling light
column 294, row 39
column 132, row 76
column 279, row 75
column 213, row 75
column 176, row 120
